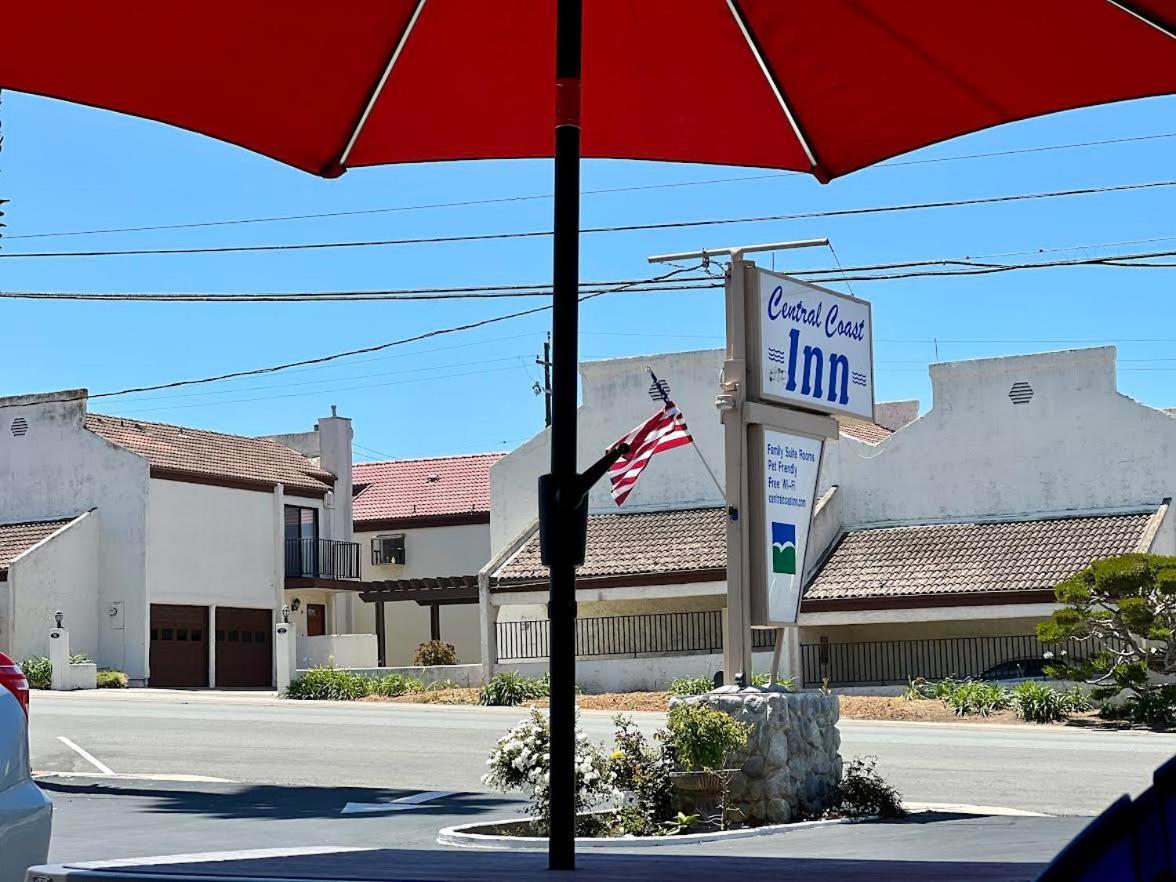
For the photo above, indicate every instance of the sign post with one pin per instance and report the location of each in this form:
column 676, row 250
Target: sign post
column 797, row 355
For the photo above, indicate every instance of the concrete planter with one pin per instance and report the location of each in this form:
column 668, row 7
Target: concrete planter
column 498, row 836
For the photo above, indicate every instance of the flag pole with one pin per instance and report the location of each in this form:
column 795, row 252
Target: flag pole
column 660, row 389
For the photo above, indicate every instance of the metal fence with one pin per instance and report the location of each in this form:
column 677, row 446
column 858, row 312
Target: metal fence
column 888, row 662
column 652, row 634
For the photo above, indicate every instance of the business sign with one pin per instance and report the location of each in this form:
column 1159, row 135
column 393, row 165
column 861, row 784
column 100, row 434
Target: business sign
column 783, row 483
column 809, row 347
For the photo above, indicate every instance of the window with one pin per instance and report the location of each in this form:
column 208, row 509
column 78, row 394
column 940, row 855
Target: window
column 388, row 549
column 301, row 526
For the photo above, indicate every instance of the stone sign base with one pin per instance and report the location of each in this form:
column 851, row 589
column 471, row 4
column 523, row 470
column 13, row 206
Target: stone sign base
column 791, row 765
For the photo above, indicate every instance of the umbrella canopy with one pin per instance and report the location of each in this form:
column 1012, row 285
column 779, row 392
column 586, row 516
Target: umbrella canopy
column 825, row 87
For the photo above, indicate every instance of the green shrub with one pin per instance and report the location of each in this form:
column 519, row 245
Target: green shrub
column 1075, row 700
column 975, row 697
column 1155, row 708
column 765, row 680
column 642, row 769
column 439, row 685
column 329, row 684
column 508, row 688
column 862, row 793
column 691, row 686
column 80, row 658
column 435, row 652
column 38, row 671
column 392, row 685
column 919, row 689
column 112, row 680
column 1038, row 703
column 703, row 736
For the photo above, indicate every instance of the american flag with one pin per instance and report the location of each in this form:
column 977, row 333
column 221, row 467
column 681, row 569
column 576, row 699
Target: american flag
column 665, row 430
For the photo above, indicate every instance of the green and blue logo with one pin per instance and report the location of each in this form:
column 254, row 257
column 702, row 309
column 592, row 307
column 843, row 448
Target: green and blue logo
column 783, row 548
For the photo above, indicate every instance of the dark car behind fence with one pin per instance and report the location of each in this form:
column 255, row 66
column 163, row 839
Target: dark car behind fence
column 888, row 662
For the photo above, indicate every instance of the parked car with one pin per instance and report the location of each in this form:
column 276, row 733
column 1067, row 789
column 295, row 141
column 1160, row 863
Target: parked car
column 1017, row 669
column 26, row 815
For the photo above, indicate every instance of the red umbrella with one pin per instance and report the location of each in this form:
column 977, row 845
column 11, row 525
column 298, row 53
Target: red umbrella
column 824, row 88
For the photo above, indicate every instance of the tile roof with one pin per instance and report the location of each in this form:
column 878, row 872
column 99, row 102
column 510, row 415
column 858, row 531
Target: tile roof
column 871, row 433
column 201, row 453
column 970, row 558
column 16, row 539
column 642, row 543
column 436, row 487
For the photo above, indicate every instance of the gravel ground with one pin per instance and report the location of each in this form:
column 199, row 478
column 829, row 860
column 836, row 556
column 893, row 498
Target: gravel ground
column 853, row 707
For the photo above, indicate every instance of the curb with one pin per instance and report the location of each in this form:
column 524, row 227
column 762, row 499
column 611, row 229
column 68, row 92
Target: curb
column 458, row 837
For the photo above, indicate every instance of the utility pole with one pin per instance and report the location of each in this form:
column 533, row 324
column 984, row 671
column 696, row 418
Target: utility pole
column 545, row 389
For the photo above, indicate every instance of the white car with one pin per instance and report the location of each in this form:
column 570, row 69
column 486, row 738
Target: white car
column 26, row 815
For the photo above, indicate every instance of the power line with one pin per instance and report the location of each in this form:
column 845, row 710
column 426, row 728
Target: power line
column 378, row 347
column 972, row 268
column 488, row 292
column 397, row 373
column 930, row 267
column 322, row 391
column 500, row 200
column 621, row 228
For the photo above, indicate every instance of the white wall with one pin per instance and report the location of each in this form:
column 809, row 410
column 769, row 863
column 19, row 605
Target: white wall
column 615, row 400
column 208, row 544
column 336, row 650
column 1077, row 446
column 58, row 469
column 59, row 573
column 460, row 550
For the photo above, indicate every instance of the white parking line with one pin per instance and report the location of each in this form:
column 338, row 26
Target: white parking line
column 87, row 756
column 403, row 804
column 141, row 776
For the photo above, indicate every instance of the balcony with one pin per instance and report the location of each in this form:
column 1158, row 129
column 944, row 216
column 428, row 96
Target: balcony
column 321, row 559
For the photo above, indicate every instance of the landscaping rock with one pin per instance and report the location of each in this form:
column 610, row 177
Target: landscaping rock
column 791, row 764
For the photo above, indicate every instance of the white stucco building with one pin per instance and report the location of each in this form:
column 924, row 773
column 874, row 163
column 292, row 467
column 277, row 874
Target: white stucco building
column 935, row 543
column 169, row 550
column 423, row 526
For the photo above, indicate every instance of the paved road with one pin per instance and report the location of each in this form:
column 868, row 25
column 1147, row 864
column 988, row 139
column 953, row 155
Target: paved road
column 259, row 740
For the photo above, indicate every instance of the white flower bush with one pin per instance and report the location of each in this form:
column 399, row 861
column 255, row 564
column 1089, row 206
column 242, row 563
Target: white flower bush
column 521, row 761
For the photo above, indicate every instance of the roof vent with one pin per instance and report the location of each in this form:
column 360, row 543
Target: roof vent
column 1021, row 392
column 433, row 478
column 20, row 426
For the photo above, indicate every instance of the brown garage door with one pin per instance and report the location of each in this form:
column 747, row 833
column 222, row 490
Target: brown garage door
column 244, row 652
column 179, row 645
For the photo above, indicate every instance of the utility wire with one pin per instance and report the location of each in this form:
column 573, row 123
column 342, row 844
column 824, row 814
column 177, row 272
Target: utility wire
column 417, row 294
column 378, row 347
column 930, row 267
column 500, row 200
column 621, row 228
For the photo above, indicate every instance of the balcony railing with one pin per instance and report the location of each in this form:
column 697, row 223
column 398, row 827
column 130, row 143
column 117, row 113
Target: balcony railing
column 322, row 559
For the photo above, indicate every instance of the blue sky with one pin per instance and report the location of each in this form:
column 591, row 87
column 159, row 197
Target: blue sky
column 71, row 168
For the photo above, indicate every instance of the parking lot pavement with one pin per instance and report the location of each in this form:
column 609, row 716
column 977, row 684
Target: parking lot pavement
column 160, row 819
column 102, row 819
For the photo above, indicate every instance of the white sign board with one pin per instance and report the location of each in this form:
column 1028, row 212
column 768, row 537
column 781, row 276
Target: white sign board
column 809, row 347
column 785, row 466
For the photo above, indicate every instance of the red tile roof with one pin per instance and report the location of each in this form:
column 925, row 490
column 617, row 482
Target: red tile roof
column 639, row 544
column 432, row 489
column 887, row 562
column 200, row 453
column 16, row 539
column 940, row 559
column 871, row 433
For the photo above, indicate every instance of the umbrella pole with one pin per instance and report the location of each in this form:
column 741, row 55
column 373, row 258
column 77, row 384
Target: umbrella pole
column 567, row 547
